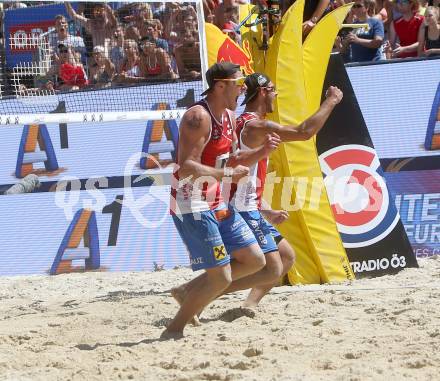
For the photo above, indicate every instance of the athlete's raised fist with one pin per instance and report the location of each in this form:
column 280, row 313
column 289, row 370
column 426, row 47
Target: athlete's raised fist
column 334, row 94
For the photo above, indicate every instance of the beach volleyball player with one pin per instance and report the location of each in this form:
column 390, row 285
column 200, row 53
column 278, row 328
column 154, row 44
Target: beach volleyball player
column 252, row 127
column 212, row 231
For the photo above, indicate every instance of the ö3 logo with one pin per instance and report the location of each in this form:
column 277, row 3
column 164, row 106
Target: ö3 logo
column 358, row 195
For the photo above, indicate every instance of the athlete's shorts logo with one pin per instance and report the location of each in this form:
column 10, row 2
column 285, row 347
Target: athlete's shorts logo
column 358, row 195
column 254, row 224
column 219, row 252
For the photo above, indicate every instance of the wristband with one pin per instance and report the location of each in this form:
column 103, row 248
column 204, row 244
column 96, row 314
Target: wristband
column 228, row 171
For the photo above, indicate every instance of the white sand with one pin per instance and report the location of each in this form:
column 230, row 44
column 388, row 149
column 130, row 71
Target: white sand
column 102, row 326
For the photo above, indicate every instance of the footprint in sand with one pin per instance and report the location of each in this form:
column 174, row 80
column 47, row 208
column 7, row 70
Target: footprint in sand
column 417, row 364
column 236, row 313
column 252, row 352
column 240, row 365
column 162, row 322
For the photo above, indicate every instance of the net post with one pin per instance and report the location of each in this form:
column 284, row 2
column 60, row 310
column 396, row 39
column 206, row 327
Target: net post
column 202, row 42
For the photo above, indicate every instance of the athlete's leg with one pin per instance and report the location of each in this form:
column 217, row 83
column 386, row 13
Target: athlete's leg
column 261, row 231
column 287, row 255
column 208, row 287
column 268, row 274
column 251, row 258
column 247, row 260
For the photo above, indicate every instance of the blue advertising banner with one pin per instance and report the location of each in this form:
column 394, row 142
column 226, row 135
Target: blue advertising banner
column 98, row 164
column 417, row 197
column 22, row 24
column 397, row 102
column 133, row 231
column 401, row 110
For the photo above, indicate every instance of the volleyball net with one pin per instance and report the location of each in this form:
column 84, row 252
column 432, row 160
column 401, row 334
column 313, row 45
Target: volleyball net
column 100, row 61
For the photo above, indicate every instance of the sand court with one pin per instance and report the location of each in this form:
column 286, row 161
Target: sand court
column 99, row 326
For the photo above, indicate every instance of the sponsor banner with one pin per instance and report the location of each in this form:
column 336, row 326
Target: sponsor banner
column 402, row 116
column 221, row 48
column 88, row 150
column 404, row 126
column 366, row 216
column 417, row 198
column 132, row 231
column 23, row 24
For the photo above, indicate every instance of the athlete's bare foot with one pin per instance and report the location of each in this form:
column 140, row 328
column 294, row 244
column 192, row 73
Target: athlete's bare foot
column 179, row 294
column 249, row 304
column 169, row 335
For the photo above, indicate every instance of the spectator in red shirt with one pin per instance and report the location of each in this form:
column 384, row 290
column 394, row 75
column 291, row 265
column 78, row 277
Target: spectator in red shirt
column 67, row 72
column 155, row 62
column 406, row 28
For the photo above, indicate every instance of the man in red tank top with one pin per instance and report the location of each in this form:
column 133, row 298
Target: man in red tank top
column 406, row 29
column 252, row 127
column 213, row 232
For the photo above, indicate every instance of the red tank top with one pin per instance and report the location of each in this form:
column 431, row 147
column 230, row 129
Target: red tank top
column 216, row 152
column 407, row 31
column 248, row 196
column 154, row 70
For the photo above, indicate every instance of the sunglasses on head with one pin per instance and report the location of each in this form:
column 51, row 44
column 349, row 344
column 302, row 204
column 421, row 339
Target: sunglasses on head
column 358, row 5
column 238, row 81
column 270, row 88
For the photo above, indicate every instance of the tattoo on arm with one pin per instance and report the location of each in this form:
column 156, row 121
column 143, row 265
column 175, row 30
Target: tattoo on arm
column 194, row 121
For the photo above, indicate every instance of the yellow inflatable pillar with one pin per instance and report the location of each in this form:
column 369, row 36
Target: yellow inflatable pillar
column 298, row 72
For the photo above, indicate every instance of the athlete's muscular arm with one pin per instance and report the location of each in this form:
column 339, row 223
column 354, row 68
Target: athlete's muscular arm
column 258, row 128
column 249, row 157
column 194, row 133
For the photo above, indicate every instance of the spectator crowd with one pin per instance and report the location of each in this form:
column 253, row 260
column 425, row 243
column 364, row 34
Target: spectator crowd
column 109, row 44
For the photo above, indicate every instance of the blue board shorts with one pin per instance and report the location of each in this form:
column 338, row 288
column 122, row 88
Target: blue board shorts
column 211, row 242
column 266, row 234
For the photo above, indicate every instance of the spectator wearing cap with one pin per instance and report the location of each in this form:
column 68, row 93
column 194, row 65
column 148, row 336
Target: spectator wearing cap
column 101, row 26
column 102, row 70
column 229, row 29
column 62, row 36
column 364, row 43
column 155, row 62
column 406, row 29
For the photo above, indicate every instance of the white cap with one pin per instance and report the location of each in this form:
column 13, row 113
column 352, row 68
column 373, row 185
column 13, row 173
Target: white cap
column 98, row 49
